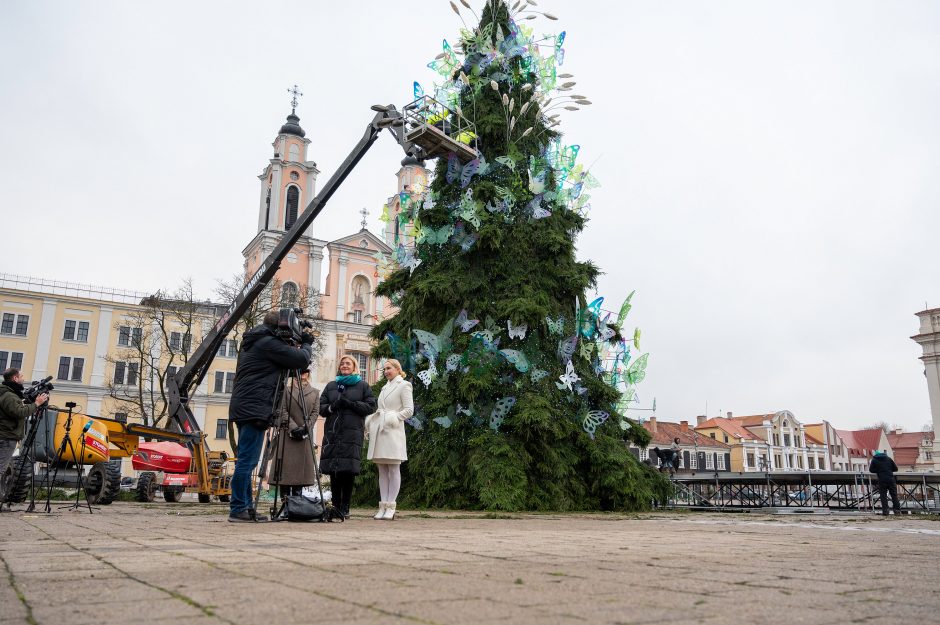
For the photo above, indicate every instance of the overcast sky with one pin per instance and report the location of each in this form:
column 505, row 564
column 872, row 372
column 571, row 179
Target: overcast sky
column 769, row 169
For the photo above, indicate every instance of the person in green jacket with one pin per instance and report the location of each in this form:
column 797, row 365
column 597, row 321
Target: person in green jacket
column 13, row 413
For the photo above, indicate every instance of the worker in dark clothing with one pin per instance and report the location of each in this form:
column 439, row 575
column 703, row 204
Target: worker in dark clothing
column 884, row 467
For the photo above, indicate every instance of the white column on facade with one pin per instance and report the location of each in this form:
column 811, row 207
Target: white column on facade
column 44, row 341
column 316, row 266
column 93, row 406
column 771, row 459
column 101, row 347
column 262, row 205
column 275, row 222
column 199, row 412
column 341, row 288
column 379, row 303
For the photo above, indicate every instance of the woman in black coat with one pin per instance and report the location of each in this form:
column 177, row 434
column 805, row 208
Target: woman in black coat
column 345, row 402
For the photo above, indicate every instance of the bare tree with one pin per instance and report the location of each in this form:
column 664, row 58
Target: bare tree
column 153, row 342
column 273, row 297
column 886, row 427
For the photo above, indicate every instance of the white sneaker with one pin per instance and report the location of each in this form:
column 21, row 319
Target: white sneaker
column 381, row 513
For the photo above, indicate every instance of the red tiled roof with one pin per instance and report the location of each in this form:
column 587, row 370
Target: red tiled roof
column 666, row 432
column 906, row 446
column 756, row 419
column 812, row 439
column 906, row 456
column 861, row 440
column 908, row 439
column 731, row 426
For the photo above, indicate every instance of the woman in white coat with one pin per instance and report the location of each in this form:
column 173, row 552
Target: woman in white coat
column 386, row 431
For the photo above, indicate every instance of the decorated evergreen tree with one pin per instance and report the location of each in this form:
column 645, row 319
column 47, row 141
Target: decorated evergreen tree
column 520, row 383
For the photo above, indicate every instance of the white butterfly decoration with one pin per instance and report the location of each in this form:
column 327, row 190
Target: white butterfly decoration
column 453, row 361
column 517, row 332
column 428, row 375
column 593, row 420
column 568, row 378
column 541, row 213
column 408, row 258
column 465, row 324
column 444, row 421
column 462, row 410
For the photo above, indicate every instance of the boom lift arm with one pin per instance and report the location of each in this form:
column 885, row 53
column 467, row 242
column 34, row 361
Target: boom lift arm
column 182, row 386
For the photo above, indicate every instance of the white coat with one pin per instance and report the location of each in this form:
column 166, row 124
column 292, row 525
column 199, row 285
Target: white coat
column 386, row 426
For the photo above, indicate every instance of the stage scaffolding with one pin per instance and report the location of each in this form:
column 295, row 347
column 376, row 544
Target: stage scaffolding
column 918, row 493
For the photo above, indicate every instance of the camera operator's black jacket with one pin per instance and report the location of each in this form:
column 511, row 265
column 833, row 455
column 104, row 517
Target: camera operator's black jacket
column 13, row 412
column 263, row 357
column 344, row 429
column 884, row 467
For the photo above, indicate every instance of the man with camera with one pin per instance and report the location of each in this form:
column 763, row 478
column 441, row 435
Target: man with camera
column 265, row 354
column 13, row 414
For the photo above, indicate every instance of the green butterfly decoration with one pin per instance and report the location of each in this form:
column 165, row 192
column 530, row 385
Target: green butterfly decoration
column 625, row 309
column 637, row 371
column 517, row 358
column 556, row 327
column 439, row 236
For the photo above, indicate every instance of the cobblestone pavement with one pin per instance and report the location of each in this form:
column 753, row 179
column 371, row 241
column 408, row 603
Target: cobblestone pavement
column 163, row 563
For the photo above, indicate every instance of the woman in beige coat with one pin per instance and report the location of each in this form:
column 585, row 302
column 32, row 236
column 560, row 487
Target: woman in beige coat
column 386, row 431
column 296, row 466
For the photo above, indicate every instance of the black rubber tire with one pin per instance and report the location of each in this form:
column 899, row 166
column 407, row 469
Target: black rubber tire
column 172, row 494
column 204, row 498
column 18, row 489
column 225, row 498
column 103, row 483
column 146, row 487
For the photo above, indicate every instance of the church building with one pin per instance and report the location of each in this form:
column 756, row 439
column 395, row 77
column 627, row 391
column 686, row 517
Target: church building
column 348, row 304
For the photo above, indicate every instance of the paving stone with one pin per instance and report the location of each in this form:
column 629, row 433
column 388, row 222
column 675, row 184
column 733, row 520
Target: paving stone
column 186, row 563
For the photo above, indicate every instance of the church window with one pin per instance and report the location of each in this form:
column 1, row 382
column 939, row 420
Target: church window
column 289, row 294
column 294, row 176
column 357, row 316
column 293, row 199
column 363, row 362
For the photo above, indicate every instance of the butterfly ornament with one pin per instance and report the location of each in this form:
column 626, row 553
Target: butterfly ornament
column 568, row 378
column 500, row 410
column 517, row 332
column 465, row 324
column 593, row 420
column 517, row 358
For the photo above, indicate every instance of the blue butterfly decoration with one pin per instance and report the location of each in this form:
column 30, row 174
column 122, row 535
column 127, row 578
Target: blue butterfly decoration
column 456, row 171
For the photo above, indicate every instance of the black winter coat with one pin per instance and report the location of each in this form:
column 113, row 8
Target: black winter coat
column 262, row 359
column 883, row 467
column 344, row 427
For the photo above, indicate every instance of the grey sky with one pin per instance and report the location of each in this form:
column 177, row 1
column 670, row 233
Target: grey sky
column 768, row 169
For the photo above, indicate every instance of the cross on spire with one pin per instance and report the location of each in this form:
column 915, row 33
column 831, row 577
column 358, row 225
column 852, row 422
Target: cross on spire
column 363, row 212
column 294, row 91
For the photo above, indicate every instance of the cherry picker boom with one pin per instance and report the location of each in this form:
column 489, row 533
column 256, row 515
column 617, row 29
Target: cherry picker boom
column 449, row 134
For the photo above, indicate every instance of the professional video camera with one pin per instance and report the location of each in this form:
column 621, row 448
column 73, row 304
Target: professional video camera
column 291, row 324
column 38, row 388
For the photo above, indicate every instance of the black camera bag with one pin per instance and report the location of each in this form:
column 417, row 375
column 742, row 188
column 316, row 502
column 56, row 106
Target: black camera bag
column 300, row 508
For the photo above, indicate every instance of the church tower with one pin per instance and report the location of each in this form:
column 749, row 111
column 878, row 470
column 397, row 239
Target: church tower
column 288, row 183
column 412, row 182
column 929, row 340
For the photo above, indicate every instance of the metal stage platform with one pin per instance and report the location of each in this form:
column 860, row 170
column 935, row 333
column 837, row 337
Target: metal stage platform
column 918, row 493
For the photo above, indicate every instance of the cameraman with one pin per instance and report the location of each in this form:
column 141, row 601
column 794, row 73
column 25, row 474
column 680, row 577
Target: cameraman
column 13, row 413
column 263, row 358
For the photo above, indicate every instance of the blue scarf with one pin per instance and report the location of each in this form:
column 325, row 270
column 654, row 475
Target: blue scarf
column 348, row 380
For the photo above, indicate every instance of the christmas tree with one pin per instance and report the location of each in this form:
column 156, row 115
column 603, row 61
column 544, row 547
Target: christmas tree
column 520, row 383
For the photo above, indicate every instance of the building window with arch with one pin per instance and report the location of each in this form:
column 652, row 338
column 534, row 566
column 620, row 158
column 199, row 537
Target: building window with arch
column 289, row 295
column 293, row 201
column 360, row 290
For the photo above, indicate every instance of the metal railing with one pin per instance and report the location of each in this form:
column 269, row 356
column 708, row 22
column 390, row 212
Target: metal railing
column 71, row 289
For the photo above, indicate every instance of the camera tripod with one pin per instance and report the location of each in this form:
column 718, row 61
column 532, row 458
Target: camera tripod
column 79, row 460
column 26, row 453
column 277, row 439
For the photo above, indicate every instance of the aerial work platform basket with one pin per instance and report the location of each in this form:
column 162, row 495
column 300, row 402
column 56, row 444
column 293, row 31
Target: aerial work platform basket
column 439, row 130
